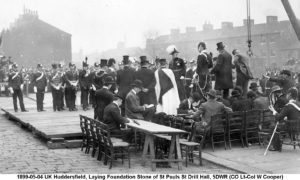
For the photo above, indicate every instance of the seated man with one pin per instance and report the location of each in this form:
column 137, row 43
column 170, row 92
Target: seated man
column 258, row 101
column 209, row 109
column 239, row 103
column 133, row 108
column 291, row 111
column 112, row 117
column 186, row 106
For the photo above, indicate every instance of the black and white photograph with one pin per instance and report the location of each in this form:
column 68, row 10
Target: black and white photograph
column 150, row 89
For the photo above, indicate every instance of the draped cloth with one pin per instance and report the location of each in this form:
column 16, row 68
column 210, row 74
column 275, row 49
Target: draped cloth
column 166, row 92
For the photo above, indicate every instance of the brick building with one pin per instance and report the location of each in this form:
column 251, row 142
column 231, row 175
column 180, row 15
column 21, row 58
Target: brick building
column 29, row 41
column 274, row 42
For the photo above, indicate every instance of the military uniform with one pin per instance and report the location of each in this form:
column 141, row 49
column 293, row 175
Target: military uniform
column 71, row 78
column 39, row 81
column 84, row 87
column 15, row 80
column 179, row 70
column 56, row 82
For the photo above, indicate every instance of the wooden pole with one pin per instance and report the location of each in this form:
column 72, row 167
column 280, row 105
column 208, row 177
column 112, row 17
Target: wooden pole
column 271, row 139
column 293, row 19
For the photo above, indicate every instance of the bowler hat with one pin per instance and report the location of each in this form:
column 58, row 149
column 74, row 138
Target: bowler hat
column 125, row 59
column 39, row 66
column 109, row 80
column 235, row 93
column 220, row 46
column 253, row 85
column 118, row 96
column 212, row 93
column 137, row 83
column 162, row 61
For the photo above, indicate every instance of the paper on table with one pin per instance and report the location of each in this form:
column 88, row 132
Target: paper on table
column 149, row 105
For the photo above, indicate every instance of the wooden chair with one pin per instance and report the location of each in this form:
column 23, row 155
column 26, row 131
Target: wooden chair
column 188, row 146
column 218, row 130
column 251, row 125
column 113, row 149
column 293, row 131
column 94, row 136
column 235, row 127
column 267, row 118
column 83, row 130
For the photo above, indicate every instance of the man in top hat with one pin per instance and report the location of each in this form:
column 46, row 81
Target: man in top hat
column 133, row 107
column 39, row 82
column 56, row 84
column 15, row 84
column 223, row 70
column 72, row 79
column 111, row 71
column 204, row 63
column 284, row 80
column 166, row 89
column 125, row 78
column 103, row 97
column 84, row 82
column 177, row 65
column 243, row 73
column 147, row 95
column 209, row 109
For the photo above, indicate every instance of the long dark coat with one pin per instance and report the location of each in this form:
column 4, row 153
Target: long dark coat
column 223, row 71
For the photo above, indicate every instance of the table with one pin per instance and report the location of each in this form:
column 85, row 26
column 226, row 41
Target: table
column 151, row 129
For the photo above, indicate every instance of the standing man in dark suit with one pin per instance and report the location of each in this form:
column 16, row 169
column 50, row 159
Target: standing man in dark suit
column 39, row 81
column 111, row 71
column 133, row 107
column 93, row 89
column 190, row 71
column 243, row 73
column 15, row 84
column 147, row 95
column 223, row 71
column 84, row 83
column 125, row 78
column 204, row 63
column 103, row 97
column 72, row 79
column 177, row 65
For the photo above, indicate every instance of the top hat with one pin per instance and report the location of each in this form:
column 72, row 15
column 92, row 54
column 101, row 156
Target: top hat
column 253, row 85
column 137, row 83
column 286, row 72
column 39, row 66
column 54, row 66
column 103, row 62
column 220, row 46
column 144, row 60
column 235, row 93
column 111, row 61
column 109, row 80
column 84, row 63
column 125, row 59
column 212, row 93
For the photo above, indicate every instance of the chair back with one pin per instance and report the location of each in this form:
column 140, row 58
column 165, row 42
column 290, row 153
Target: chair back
column 235, row 121
column 293, row 127
column 105, row 134
column 252, row 119
column 218, row 123
column 82, row 125
column 266, row 120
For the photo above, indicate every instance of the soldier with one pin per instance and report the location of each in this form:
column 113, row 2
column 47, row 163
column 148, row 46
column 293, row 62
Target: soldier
column 177, row 65
column 15, row 84
column 39, row 81
column 56, row 84
column 125, row 77
column 84, row 84
column 204, row 63
column 93, row 87
column 189, row 76
column 147, row 95
column 71, row 78
column 61, row 72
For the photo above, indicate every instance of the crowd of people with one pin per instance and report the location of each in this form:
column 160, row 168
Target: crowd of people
column 199, row 88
